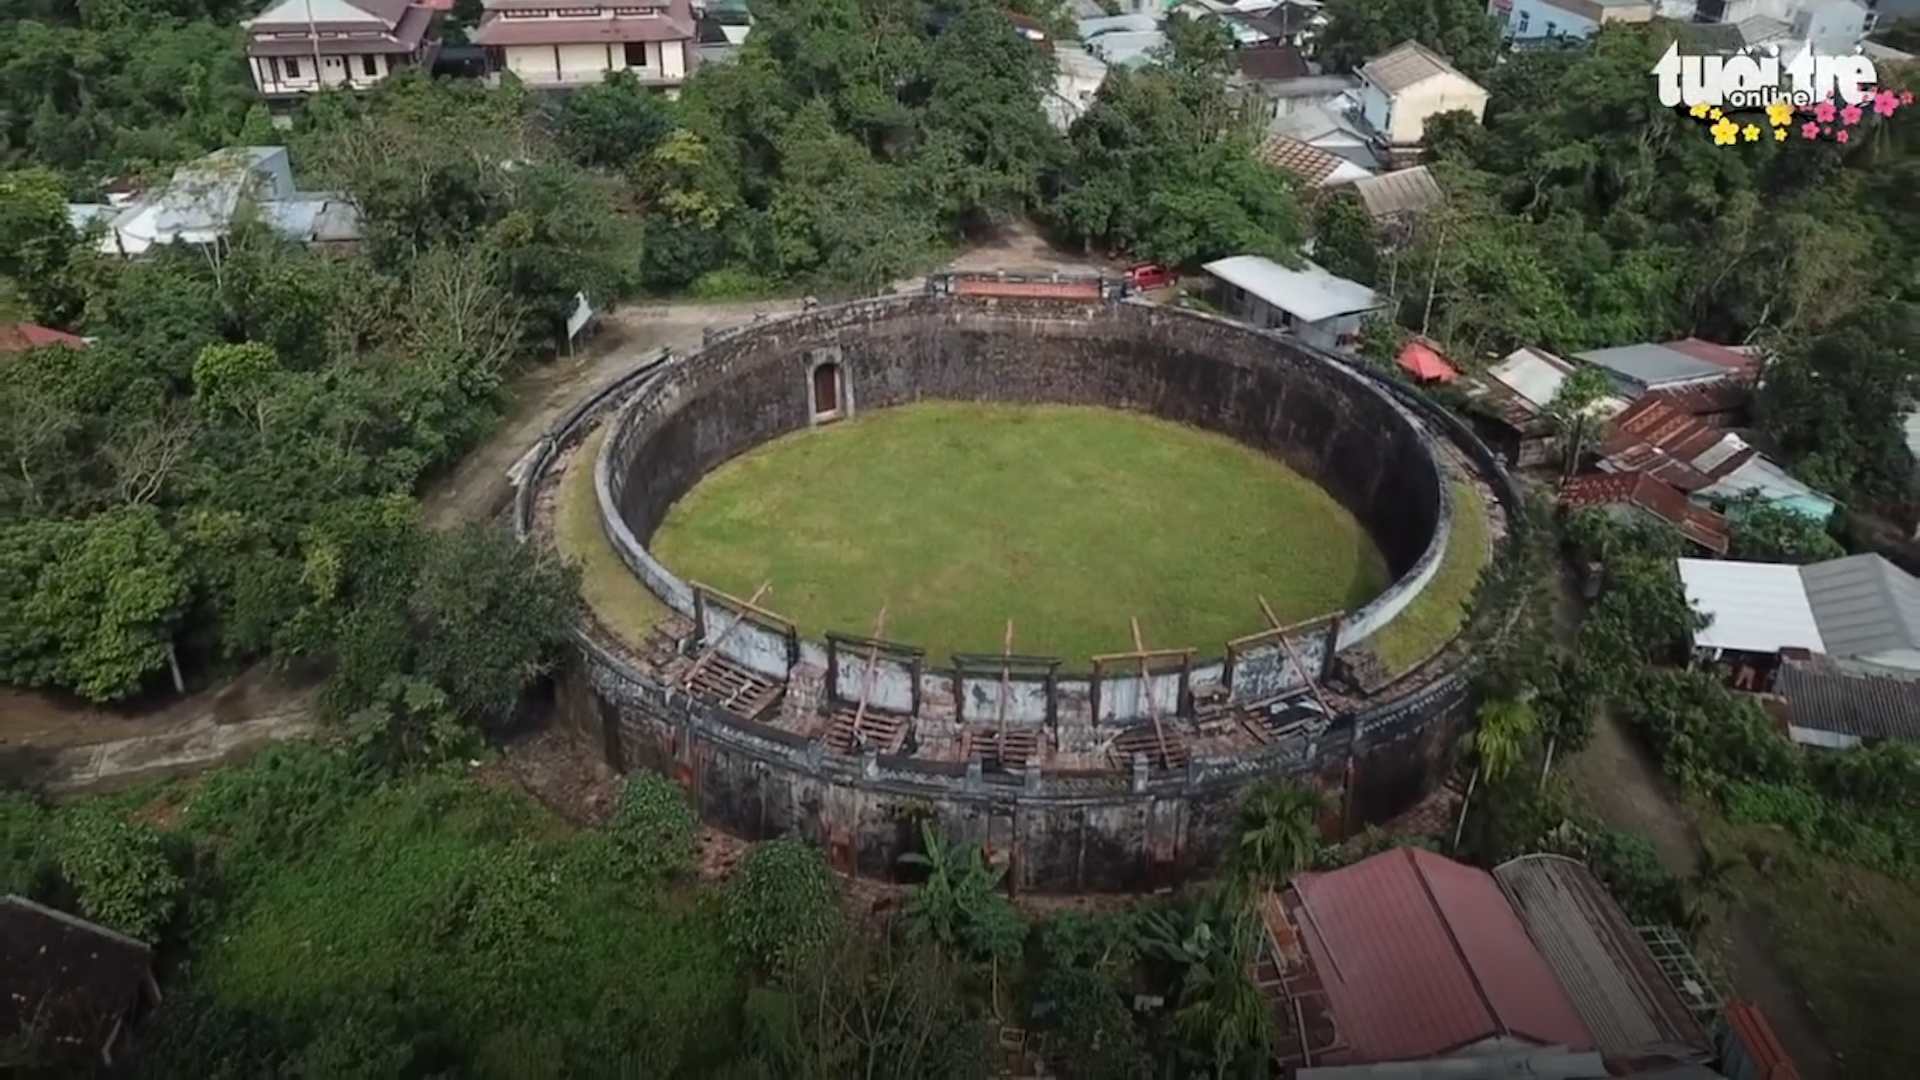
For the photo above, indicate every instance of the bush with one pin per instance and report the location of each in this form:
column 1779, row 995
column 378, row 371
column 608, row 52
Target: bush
column 27, row 866
column 654, row 834
column 781, row 907
column 118, row 870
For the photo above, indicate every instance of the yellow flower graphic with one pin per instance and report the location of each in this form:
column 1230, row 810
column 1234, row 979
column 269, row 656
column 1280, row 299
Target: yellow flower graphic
column 1699, row 112
column 1725, row 132
column 1779, row 134
column 1716, row 114
column 1780, row 114
column 1751, row 133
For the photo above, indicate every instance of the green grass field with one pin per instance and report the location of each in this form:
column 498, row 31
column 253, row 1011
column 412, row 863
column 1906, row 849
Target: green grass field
column 1436, row 615
column 1069, row 522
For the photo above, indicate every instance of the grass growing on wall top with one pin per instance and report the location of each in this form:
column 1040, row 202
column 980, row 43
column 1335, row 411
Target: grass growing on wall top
column 622, row 604
column 1438, row 613
column 1068, row 521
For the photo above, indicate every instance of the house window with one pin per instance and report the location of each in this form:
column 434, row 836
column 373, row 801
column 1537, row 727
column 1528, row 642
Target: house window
column 1552, row 29
column 531, row 14
column 636, row 11
column 370, row 66
column 292, row 67
column 578, row 13
column 636, row 54
column 1521, row 26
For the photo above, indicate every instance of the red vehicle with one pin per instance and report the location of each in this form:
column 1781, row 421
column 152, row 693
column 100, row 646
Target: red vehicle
column 1149, row 276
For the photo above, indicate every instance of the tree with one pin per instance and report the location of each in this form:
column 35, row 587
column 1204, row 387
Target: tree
column 614, row 123
column 1765, row 532
column 119, row 871
column 1276, row 833
column 959, row 907
column 1460, row 30
column 1345, row 239
column 782, row 907
column 1572, row 411
column 92, row 604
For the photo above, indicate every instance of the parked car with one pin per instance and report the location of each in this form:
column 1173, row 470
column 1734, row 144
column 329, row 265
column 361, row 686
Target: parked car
column 1149, row 276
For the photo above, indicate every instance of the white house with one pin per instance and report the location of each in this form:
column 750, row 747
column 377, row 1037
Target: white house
column 1401, row 89
column 1321, row 309
column 1526, row 20
column 300, row 47
column 202, row 202
column 555, row 47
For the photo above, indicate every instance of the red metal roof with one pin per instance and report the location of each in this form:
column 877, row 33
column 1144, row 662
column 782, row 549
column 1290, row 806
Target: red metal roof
column 1654, row 435
column 1420, row 956
column 1648, row 493
column 1722, row 356
column 1767, row 1055
column 20, row 337
column 1424, row 362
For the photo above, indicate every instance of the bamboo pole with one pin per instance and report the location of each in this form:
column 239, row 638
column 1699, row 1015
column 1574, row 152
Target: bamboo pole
column 713, row 647
column 1006, row 673
column 866, row 682
column 1313, row 685
column 1146, row 691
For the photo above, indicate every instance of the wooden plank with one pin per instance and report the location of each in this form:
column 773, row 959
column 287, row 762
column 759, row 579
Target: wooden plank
column 713, row 646
column 746, row 605
column 1006, row 649
column 1313, row 684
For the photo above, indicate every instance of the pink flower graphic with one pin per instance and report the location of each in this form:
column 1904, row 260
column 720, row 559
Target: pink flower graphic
column 1884, row 103
column 1850, row 115
column 1823, row 112
column 1840, row 136
column 1809, row 130
column 1906, row 97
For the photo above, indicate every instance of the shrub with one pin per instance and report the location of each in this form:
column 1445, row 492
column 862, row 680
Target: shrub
column 118, row 870
column 654, row 834
column 781, row 907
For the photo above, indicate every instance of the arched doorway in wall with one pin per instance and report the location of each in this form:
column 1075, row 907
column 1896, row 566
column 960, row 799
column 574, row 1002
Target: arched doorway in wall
column 828, row 392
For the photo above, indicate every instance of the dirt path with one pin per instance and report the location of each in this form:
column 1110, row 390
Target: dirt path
column 1617, row 780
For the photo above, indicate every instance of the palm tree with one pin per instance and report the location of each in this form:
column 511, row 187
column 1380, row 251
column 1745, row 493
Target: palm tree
column 1499, row 742
column 1496, row 746
column 1709, row 888
column 1572, row 410
column 1277, row 833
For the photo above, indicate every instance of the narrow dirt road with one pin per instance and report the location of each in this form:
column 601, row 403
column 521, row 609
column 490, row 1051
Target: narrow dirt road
column 1616, row 779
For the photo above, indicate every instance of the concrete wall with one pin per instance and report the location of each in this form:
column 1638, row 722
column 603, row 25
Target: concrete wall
column 1262, row 389
column 1057, row 830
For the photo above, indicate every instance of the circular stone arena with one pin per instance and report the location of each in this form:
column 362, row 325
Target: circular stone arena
column 1040, row 567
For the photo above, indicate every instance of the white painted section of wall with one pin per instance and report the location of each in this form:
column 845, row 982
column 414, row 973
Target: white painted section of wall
column 271, row 75
column 1412, row 107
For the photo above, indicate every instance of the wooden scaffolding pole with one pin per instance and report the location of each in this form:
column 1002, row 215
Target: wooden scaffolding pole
column 866, row 681
column 1313, row 684
column 1006, row 673
column 712, row 648
column 1146, row 691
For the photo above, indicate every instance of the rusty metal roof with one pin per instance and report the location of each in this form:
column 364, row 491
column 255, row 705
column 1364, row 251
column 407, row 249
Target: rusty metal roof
column 1615, row 982
column 1646, row 492
column 1420, row 956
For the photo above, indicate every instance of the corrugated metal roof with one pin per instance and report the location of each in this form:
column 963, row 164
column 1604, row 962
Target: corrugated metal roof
column 1768, row 1059
column 1651, row 366
column 1310, row 164
column 1648, row 494
column 1613, row 979
column 1755, row 607
column 1497, row 1062
column 1741, row 362
column 1863, row 605
column 1864, row 705
column 1421, row 956
column 1407, row 64
column 1534, row 374
column 1399, row 193
column 1757, row 476
column 1309, row 294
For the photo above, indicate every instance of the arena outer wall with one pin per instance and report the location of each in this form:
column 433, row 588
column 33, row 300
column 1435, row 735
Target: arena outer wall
column 1064, row 822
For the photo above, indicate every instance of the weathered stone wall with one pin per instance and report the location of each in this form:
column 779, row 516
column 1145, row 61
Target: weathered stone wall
column 1261, row 389
column 1059, row 831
